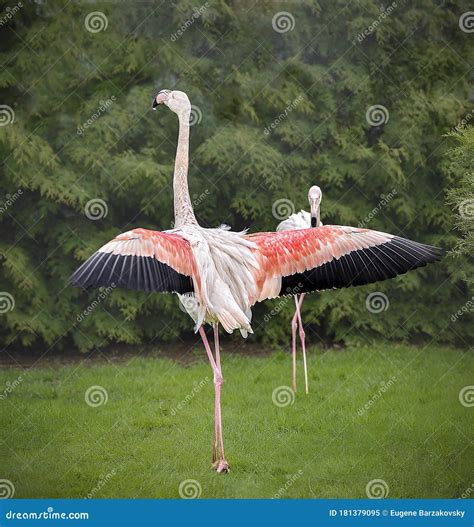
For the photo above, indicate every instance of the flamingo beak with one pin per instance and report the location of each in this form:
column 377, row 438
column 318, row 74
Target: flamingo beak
column 161, row 98
column 315, row 215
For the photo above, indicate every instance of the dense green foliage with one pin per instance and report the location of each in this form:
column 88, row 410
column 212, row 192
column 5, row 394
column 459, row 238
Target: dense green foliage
column 279, row 111
column 155, row 430
column 462, row 196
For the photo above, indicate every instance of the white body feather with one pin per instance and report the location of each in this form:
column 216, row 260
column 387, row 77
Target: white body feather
column 297, row 221
column 225, row 265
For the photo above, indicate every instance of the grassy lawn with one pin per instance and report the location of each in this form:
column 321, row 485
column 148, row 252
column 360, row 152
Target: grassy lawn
column 156, row 427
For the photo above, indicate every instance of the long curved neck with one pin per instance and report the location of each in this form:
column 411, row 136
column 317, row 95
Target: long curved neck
column 183, row 209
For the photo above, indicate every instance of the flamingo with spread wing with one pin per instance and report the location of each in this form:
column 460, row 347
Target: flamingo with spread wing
column 228, row 272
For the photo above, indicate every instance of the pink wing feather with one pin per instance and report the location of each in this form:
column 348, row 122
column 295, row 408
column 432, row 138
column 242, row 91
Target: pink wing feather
column 305, row 260
column 141, row 259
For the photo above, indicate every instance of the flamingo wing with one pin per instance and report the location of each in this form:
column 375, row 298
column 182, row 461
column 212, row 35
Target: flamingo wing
column 143, row 260
column 329, row 257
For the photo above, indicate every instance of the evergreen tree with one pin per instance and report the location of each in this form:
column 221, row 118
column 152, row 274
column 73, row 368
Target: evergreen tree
column 461, row 197
column 353, row 97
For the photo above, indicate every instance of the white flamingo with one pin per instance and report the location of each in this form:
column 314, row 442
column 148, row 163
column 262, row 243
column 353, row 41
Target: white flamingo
column 297, row 221
column 227, row 272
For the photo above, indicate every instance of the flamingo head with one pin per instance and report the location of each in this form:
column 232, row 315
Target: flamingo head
column 177, row 101
column 314, row 197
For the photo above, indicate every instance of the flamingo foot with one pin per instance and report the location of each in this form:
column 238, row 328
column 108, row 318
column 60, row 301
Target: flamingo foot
column 221, row 467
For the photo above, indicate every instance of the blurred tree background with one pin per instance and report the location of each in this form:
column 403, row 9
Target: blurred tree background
column 461, row 197
column 284, row 96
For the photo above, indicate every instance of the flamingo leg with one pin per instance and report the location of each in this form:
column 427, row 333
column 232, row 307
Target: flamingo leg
column 214, row 370
column 294, row 327
column 222, row 466
column 298, row 304
column 216, row 416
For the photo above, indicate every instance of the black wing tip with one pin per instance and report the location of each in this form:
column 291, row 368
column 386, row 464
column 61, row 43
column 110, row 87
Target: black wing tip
column 139, row 273
column 377, row 263
column 438, row 253
column 74, row 282
column 431, row 253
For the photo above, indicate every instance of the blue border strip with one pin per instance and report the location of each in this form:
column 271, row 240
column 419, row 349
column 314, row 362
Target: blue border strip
column 236, row 513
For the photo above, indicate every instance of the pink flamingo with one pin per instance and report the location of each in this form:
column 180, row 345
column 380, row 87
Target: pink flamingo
column 297, row 221
column 226, row 273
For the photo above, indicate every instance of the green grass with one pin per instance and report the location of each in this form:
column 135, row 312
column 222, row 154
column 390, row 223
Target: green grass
column 416, row 436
